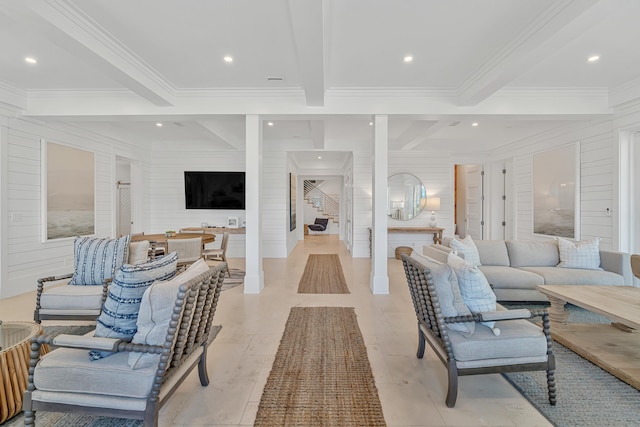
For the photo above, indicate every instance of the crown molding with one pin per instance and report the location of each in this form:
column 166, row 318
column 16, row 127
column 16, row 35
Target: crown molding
column 626, row 93
column 392, row 92
column 548, row 91
column 12, row 95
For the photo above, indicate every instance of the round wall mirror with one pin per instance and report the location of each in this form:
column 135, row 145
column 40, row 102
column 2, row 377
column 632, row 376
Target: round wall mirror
column 406, row 196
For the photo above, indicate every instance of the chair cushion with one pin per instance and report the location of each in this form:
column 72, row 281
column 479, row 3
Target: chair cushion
column 72, row 298
column 584, row 254
column 139, row 252
column 467, row 247
column 155, row 313
column 69, row 370
column 475, row 289
column 449, row 295
column 517, row 339
column 533, row 253
column 120, row 310
column 97, row 259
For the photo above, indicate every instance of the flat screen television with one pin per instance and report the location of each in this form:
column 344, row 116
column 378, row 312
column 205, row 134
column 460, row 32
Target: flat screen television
column 214, row 190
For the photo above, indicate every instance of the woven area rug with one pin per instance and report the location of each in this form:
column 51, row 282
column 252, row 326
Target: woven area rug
column 323, row 275
column 587, row 395
column 321, row 375
column 59, row 419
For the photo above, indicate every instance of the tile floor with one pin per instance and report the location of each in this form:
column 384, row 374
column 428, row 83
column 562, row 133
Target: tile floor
column 412, row 391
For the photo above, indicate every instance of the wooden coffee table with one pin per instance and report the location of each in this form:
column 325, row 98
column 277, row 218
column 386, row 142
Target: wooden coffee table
column 614, row 349
column 15, row 349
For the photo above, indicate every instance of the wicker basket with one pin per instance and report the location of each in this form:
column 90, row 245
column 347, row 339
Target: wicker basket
column 403, row 250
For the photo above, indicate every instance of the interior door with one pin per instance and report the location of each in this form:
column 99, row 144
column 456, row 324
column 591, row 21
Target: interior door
column 124, row 208
column 474, row 202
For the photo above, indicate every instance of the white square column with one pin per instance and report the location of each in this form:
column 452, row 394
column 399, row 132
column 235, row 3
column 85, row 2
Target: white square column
column 254, row 277
column 379, row 275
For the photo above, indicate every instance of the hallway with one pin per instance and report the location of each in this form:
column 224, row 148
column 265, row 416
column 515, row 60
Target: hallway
column 411, row 391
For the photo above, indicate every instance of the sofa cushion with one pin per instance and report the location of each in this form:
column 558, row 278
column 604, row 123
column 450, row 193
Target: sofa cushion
column 120, row 310
column 518, row 339
column 139, row 252
column 467, row 247
column 533, row 253
column 155, row 313
column 583, row 254
column 475, row 289
column 493, row 252
column 575, row 276
column 97, row 259
column 62, row 370
column 449, row 295
column 511, row 278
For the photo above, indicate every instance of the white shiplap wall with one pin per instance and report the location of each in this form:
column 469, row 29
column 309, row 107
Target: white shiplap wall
column 27, row 257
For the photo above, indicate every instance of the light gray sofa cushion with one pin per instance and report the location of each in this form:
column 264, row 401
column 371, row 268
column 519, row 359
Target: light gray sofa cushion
column 575, row 276
column 493, row 252
column 517, row 339
column 509, row 277
column 61, row 369
column 67, row 297
column 533, row 253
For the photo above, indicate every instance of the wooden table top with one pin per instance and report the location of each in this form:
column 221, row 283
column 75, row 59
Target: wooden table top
column 618, row 303
column 161, row 238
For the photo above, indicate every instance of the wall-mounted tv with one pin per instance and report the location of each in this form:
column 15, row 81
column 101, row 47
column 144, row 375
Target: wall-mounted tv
column 214, row 190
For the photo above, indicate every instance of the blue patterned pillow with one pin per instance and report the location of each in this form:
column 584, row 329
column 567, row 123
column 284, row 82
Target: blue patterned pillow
column 97, row 259
column 120, row 310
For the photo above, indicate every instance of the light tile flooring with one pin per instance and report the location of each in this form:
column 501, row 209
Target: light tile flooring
column 412, row 391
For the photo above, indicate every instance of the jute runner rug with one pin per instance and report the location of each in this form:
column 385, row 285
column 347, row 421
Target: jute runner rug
column 323, row 275
column 321, row 375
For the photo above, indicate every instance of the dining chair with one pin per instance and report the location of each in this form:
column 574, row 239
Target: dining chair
column 219, row 254
column 189, row 250
column 635, row 265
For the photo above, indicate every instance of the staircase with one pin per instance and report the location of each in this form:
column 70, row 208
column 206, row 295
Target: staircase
column 324, row 203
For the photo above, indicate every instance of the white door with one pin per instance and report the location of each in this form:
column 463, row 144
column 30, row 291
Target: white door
column 124, row 209
column 474, row 202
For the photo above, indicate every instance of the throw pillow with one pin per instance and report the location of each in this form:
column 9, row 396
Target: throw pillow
column 155, row 313
column 467, row 247
column 475, row 289
column 583, row 254
column 97, row 259
column 120, row 310
column 449, row 296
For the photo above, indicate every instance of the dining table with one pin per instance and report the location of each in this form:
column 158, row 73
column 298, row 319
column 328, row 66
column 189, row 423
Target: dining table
column 160, row 239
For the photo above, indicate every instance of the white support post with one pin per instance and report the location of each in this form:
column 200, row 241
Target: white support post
column 379, row 276
column 254, row 278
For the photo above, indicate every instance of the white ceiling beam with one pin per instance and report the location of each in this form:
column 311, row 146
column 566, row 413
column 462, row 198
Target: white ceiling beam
column 61, row 22
column 561, row 23
column 317, row 131
column 307, row 25
column 426, row 133
column 414, row 131
column 220, row 133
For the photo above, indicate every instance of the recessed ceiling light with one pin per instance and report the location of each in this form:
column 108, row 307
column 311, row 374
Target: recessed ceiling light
column 30, row 60
column 474, row 124
column 228, row 58
column 370, row 123
column 269, row 123
column 319, row 157
column 159, row 124
column 593, row 58
column 408, row 58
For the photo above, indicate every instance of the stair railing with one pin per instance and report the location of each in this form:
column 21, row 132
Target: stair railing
column 325, row 203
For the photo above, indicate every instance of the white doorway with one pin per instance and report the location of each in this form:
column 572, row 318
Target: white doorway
column 469, row 189
column 123, row 197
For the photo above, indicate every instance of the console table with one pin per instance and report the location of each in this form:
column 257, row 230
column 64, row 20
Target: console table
column 436, row 231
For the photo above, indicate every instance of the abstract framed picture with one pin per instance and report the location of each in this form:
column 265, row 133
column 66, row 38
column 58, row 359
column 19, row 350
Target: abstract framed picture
column 292, row 202
column 68, row 191
column 556, row 184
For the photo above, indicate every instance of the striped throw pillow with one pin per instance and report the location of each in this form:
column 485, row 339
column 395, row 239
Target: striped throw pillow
column 97, row 259
column 120, row 310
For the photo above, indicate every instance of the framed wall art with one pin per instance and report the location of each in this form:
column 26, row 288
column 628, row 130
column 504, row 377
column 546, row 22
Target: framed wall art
column 68, row 191
column 556, row 192
column 292, row 202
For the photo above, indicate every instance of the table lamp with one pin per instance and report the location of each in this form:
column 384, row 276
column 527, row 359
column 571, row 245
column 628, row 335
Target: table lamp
column 433, row 205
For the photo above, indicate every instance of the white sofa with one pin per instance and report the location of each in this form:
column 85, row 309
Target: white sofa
column 515, row 267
